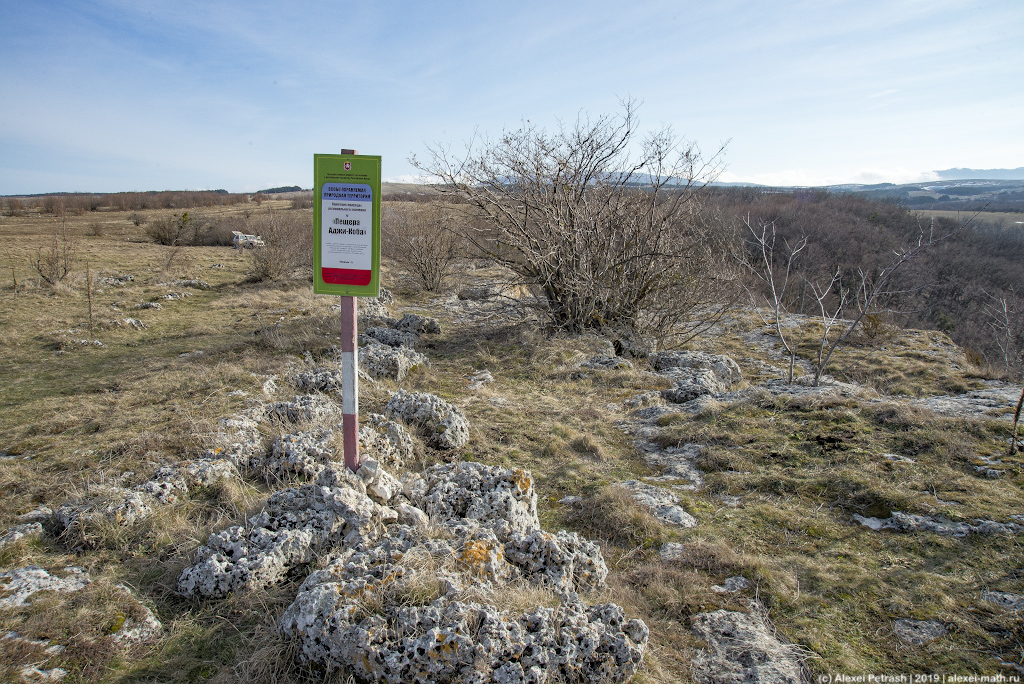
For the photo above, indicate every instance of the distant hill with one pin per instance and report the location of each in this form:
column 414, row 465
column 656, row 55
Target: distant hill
column 276, row 191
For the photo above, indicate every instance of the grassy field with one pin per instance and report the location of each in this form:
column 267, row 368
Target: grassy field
column 1002, row 218
column 75, row 413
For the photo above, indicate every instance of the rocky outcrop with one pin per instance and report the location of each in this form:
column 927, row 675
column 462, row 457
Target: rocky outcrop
column 442, row 425
column 695, row 374
column 416, row 324
column 420, row 604
column 303, row 408
column 23, row 583
column 389, row 337
column 908, row 522
column 919, row 632
column 383, row 361
column 18, row 532
column 174, row 481
column 663, row 504
column 103, row 504
column 385, row 441
column 498, row 498
column 742, row 648
column 293, row 527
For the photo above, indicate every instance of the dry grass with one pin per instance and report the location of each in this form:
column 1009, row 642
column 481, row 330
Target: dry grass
column 73, row 414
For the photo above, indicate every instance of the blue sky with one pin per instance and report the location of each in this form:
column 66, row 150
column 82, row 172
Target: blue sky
column 116, row 95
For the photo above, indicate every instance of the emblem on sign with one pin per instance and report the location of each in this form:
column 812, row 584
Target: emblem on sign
column 348, row 166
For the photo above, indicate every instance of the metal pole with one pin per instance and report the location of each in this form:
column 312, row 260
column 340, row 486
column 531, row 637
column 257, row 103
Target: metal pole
column 350, row 378
column 349, row 383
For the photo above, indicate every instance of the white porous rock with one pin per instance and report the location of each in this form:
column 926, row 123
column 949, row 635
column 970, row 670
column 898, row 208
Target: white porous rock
column 607, row 363
column 563, row 561
column 695, row 373
column 382, row 361
column 137, row 630
column 432, row 621
column 18, row 532
column 372, row 308
column 441, row 424
column 314, row 408
column 22, row 583
column 918, row 632
column 742, row 648
column 237, row 440
column 663, row 504
column 410, row 515
column 385, row 441
column 908, row 522
column 388, row 337
column 303, row 454
column 325, row 380
column 380, row 485
column 170, row 482
column 295, row 525
column 1005, row 600
column 102, row 504
column 414, row 323
column 502, row 499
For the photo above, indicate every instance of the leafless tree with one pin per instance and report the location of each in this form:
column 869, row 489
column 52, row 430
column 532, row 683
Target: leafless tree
column 54, row 264
column 772, row 264
column 613, row 235
column 425, row 238
column 842, row 307
column 1005, row 314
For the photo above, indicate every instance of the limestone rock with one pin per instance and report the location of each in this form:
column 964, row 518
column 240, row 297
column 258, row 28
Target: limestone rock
column 1007, row 601
column 562, row 561
column 422, row 626
column 22, row 583
column 303, row 454
column 238, row 440
column 731, row 585
column 389, row 337
column 908, row 522
column 918, row 632
column 383, row 361
column 103, row 504
column 606, row 363
column 385, row 441
column 294, row 526
column 372, row 308
column 441, row 424
column 171, row 481
column 414, row 323
column 695, row 373
column 742, row 648
column 313, row 408
column 380, row 485
column 663, row 504
column 325, row 380
column 498, row 498
column 19, row 532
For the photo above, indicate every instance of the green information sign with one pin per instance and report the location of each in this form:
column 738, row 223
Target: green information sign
column 346, row 225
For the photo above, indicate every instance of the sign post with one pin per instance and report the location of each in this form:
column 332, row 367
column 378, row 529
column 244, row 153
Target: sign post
column 346, row 227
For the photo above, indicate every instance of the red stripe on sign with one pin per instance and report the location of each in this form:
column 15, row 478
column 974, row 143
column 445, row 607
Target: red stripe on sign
column 346, row 276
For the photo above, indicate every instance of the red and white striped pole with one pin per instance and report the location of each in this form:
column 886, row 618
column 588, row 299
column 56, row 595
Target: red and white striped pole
column 350, row 378
column 350, row 383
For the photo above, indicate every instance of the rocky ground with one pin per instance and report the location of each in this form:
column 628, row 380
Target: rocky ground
column 529, row 508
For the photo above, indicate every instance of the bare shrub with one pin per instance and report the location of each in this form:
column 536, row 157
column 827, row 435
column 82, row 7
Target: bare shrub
column 171, row 231
column 13, row 207
column 288, row 238
column 55, row 263
column 612, row 240
column 425, row 239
